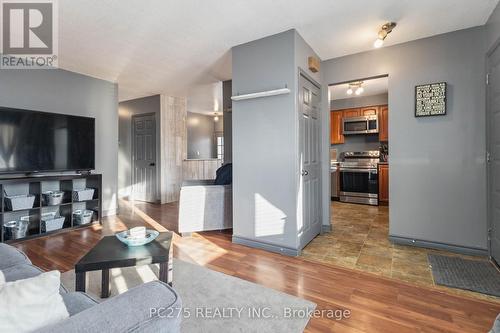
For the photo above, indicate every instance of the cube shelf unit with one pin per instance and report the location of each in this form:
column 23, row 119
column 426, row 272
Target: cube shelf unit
column 36, row 185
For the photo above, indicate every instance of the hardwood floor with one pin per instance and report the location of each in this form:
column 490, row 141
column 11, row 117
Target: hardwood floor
column 376, row 303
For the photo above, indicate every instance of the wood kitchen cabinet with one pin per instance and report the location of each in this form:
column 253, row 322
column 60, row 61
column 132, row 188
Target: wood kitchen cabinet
column 350, row 113
column 336, row 135
column 383, row 184
column 383, row 123
column 369, row 111
column 382, row 111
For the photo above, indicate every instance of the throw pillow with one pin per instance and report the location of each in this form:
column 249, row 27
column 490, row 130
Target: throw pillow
column 224, row 175
column 30, row 304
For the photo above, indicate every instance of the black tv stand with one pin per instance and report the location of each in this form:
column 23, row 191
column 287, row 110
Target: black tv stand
column 36, row 184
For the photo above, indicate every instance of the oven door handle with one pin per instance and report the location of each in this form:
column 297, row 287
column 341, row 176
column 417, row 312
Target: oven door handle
column 358, row 170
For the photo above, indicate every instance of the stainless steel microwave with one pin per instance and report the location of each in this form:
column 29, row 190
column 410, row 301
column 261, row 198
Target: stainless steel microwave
column 360, row 125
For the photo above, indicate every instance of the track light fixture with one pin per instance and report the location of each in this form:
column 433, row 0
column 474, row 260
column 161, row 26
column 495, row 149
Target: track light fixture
column 382, row 34
column 356, row 88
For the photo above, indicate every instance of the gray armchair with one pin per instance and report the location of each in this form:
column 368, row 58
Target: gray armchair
column 204, row 206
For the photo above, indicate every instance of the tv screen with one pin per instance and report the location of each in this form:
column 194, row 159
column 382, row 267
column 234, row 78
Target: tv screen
column 32, row 141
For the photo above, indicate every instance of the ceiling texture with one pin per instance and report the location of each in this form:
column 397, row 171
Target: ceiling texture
column 169, row 46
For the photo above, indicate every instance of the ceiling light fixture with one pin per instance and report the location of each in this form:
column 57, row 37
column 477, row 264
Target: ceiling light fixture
column 216, row 118
column 356, row 88
column 382, row 34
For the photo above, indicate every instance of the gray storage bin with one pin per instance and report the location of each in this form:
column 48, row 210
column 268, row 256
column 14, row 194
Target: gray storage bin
column 81, row 217
column 19, row 202
column 53, row 198
column 16, row 229
column 83, row 194
column 51, row 222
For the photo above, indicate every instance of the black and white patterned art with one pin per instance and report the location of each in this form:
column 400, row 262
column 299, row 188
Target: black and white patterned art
column 430, row 100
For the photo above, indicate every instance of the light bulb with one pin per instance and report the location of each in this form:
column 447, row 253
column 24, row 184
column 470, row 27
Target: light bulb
column 378, row 43
column 216, row 118
column 349, row 91
column 359, row 91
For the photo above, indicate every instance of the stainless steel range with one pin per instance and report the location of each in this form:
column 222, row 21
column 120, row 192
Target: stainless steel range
column 359, row 177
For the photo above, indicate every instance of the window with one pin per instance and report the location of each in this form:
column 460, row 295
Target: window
column 220, row 148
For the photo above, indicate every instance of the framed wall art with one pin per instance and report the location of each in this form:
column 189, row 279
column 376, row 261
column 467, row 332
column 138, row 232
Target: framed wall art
column 430, row 100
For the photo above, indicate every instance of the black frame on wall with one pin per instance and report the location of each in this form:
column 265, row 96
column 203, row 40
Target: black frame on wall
column 445, row 99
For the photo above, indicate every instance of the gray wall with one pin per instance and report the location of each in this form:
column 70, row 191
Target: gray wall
column 265, row 148
column 227, row 105
column 219, row 125
column 264, row 190
column 126, row 110
column 437, row 164
column 200, row 136
column 60, row 91
column 359, row 102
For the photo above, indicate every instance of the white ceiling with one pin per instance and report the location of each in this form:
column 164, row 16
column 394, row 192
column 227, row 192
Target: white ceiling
column 168, row 46
column 371, row 87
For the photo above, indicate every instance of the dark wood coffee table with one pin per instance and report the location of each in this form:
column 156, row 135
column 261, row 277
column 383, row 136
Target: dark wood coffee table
column 109, row 253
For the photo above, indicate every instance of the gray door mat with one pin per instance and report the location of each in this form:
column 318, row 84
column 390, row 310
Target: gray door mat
column 475, row 275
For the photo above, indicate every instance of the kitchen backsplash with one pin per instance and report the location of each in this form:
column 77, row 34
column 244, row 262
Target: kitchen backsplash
column 358, row 143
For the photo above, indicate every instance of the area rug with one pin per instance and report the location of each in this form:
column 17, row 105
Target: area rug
column 475, row 275
column 229, row 304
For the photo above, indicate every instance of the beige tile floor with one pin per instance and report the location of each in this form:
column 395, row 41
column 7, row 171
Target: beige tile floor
column 359, row 240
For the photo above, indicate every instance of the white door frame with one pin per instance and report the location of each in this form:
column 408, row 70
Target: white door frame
column 304, row 74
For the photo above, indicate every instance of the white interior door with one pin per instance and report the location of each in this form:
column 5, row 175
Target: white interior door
column 310, row 166
column 144, row 158
column 494, row 153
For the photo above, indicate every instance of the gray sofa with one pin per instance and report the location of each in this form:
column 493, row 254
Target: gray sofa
column 496, row 326
column 204, row 206
column 128, row 312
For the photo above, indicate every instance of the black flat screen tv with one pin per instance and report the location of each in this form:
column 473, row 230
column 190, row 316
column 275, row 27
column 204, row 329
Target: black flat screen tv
column 33, row 141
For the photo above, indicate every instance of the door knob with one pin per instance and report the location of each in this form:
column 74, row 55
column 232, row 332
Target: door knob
column 305, row 172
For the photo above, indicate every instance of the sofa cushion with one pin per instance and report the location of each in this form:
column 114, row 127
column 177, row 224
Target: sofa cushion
column 224, row 175
column 23, row 271
column 10, row 256
column 19, row 272
column 32, row 303
column 77, row 302
column 152, row 307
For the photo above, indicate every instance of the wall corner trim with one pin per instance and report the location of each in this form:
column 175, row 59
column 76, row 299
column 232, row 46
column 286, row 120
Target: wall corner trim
column 326, row 228
column 438, row 246
column 265, row 246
